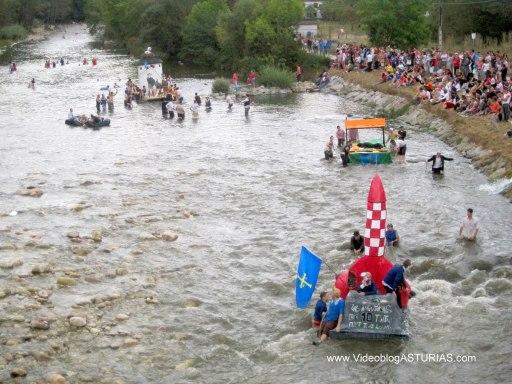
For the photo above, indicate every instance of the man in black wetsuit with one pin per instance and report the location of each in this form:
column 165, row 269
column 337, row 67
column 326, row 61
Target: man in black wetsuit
column 438, row 162
column 357, row 243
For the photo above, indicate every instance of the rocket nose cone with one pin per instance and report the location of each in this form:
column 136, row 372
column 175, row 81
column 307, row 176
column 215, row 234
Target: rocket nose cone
column 376, row 193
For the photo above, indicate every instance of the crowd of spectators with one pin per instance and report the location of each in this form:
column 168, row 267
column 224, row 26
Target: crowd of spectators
column 471, row 83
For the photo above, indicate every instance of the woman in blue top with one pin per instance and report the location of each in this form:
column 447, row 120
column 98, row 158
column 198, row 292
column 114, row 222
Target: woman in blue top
column 333, row 317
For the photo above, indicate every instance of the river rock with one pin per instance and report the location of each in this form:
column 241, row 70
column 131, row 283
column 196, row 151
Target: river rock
column 40, row 269
column 44, row 293
column 55, row 378
column 122, row 317
column 192, row 303
column 96, row 235
column 40, row 324
column 66, row 281
column 77, row 321
column 30, row 191
column 169, row 236
column 82, row 249
column 10, row 263
column 305, row 86
column 130, row 342
column 147, row 236
column 11, row 342
column 18, row 372
column 73, row 234
column 151, row 300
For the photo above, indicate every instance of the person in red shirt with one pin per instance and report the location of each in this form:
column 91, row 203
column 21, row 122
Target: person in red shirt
column 456, row 62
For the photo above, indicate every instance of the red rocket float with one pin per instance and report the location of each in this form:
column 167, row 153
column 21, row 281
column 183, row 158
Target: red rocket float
column 374, row 260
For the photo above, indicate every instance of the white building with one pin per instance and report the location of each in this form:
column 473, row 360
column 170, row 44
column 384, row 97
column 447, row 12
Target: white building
column 315, row 4
column 149, row 70
column 307, row 28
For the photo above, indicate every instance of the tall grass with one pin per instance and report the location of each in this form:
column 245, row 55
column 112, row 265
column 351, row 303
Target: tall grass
column 270, row 76
column 13, row 32
column 457, row 45
column 220, row 85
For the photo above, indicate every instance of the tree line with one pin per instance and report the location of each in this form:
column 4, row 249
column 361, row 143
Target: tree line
column 220, row 33
column 412, row 23
column 17, row 17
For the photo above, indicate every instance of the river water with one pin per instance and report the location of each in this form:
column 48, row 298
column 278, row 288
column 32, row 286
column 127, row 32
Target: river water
column 242, row 195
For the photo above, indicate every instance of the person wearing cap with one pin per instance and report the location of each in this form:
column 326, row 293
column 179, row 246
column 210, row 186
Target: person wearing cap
column 438, row 162
column 357, row 243
column 395, row 279
column 367, row 286
column 469, row 227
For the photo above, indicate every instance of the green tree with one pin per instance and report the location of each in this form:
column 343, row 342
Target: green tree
column 199, row 39
column 400, row 24
column 342, row 11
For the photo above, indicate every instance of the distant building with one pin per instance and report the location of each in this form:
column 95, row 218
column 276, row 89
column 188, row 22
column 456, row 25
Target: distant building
column 315, row 4
column 307, row 28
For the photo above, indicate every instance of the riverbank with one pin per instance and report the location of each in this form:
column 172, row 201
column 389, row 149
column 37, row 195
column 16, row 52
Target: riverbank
column 35, row 35
column 477, row 138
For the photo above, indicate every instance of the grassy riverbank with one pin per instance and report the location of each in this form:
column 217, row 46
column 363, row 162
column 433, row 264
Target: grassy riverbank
column 478, row 130
column 35, row 34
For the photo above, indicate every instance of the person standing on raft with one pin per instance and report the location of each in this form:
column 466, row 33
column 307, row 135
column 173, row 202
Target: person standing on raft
column 395, row 279
column 438, row 162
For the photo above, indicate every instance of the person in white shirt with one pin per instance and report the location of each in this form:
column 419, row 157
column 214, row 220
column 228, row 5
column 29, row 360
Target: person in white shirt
column 469, row 227
column 70, row 114
column 170, row 109
column 229, row 100
column 401, row 148
column 194, row 108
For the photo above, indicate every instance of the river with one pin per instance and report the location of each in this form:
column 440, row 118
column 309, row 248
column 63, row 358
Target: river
column 217, row 304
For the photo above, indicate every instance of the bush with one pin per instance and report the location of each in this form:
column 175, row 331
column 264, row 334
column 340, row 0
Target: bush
column 13, row 32
column 220, row 85
column 270, row 76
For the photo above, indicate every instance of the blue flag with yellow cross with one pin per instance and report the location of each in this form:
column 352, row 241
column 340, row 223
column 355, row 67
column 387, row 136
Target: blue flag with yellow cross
column 307, row 275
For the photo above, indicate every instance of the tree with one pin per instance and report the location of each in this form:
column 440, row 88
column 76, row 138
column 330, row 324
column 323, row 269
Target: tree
column 342, row 11
column 400, row 24
column 199, row 39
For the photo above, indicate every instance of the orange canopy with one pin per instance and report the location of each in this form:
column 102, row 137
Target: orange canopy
column 365, row 123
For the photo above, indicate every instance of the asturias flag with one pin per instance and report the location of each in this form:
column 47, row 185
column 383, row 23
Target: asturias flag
column 307, row 275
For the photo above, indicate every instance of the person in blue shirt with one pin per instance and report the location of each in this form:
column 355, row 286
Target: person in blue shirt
column 320, row 309
column 334, row 316
column 392, row 238
column 395, row 279
column 367, row 286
